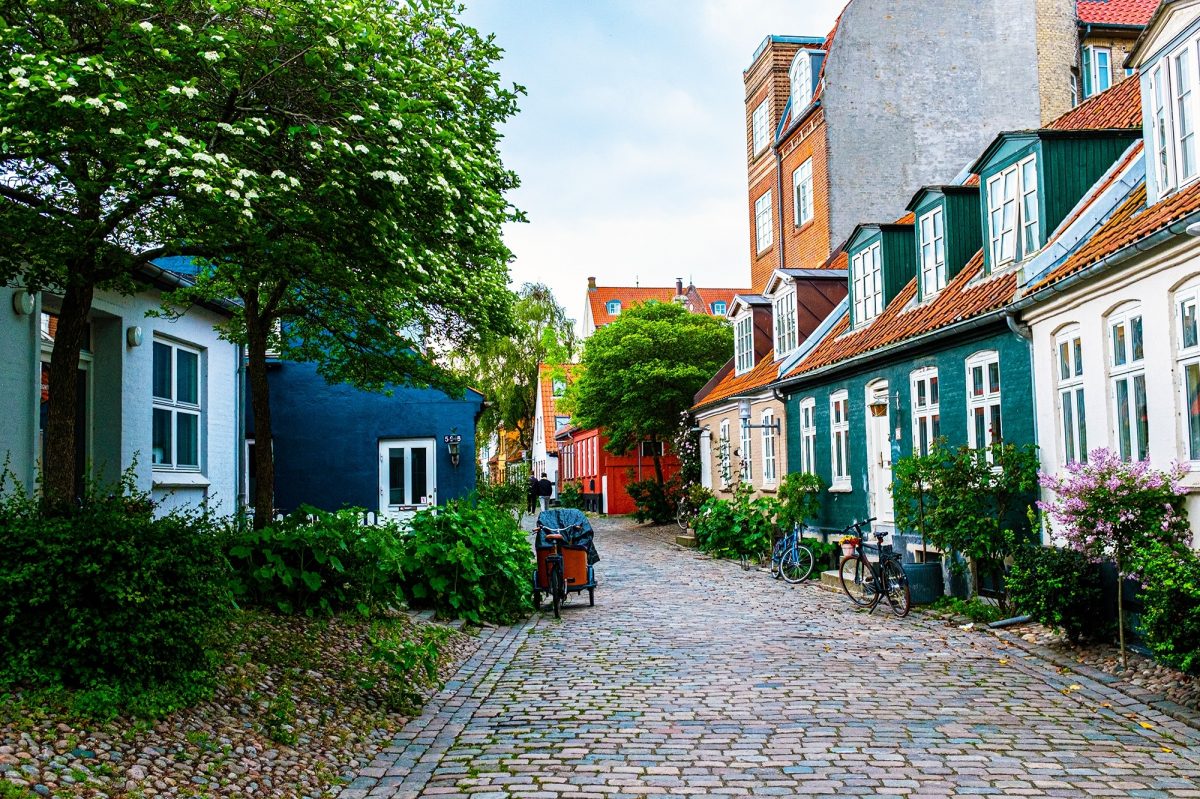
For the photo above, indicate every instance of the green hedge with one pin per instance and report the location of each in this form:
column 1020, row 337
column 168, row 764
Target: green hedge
column 1059, row 588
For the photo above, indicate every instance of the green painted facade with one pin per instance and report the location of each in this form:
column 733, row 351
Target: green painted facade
column 949, row 354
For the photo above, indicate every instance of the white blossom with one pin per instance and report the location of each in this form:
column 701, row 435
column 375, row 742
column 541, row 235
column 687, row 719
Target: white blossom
column 146, row 26
column 378, row 175
column 204, row 188
column 212, row 55
column 66, row 98
column 173, row 90
column 153, row 143
column 361, row 148
column 315, row 145
column 347, row 67
column 190, row 91
column 395, row 123
column 173, row 153
column 246, row 212
column 234, row 193
column 17, row 72
column 116, row 131
column 119, row 106
column 21, row 83
column 278, row 173
column 294, row 181
column 199, row 173
column 332, row 41
column 183, row 28
column 355, row 118
column 71, row 81
column 241, row 184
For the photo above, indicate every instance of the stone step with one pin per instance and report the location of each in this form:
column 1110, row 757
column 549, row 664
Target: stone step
column 830, row 580
column 686, row 540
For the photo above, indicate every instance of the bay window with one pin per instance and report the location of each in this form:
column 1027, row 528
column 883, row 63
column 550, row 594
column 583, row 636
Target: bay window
column 175, row 388
column 808, row 435
column 866, row 275
column 839, row 435
column 1069, row 347
column 926, row 409
column 1127, row 385
column 983, row 400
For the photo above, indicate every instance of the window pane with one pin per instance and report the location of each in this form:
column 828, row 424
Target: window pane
column 980, row 428
column 993, row 377
column 1135, row 338
column 977, row 381
column 162, row 371
column 1078, row 358
column 933, row 390
column 996, row 433
column 1064, row 361
column 1124, row 428
column 1068, row 421
column 396, row 476
column 1143, row 420
column 921, row 398
column 936, row 429
column 1118, row 334
column 1183, row 114
column 1081, row 423
column 161, row 437
column 187, row 439
column 187, row 377
column 1191, row 376
column 420, row 485
column 1187, row 318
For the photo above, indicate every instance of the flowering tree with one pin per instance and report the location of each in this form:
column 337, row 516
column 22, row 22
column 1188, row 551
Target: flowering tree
column 334, row 161
column 1110, row 509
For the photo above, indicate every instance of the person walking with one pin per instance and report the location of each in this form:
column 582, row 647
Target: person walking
column 545, row 491
column 531, row 493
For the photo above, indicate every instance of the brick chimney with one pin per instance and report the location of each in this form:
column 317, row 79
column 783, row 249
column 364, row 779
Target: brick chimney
column 591, row 284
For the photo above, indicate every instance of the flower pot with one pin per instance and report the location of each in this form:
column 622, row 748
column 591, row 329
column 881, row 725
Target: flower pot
column 924, row 582
column 847, row 550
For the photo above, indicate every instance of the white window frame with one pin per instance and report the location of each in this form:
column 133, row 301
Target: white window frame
column 558, row 387
column 784, row 314
column 800, row 80
column 767, row 420
column 802, row 193
column 866, row 272
column 763, row 223
column 723, row 456
column 986, row 399
column 177, row 407
column 1009, row 236
column 808, row 435
column 926, row 408
column 1096, row 85
column 613, row 307
column 932, row 230
column 747, row 460
column 1187, row 357
column 1071, row 402
column 760, row 124
column 1183, row 107
column 1173, row 116
column 1126, row 367
column 719, row 308
column 839, row 439
column 743, row 342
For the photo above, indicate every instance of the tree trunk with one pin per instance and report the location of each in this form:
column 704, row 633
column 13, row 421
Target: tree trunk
column 58, row 476
column 260, row 403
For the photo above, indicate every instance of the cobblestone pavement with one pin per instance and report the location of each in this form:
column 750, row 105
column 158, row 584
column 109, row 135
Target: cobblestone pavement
column 691, row 677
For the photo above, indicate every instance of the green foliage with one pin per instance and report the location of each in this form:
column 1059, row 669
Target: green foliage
column 913, row 478
column 641, row 371
column 1059, row 588
column 504, row 494
column 738, row 527
column 318, row 562
column 686, row 446
column 799, row 499
column 469, row 560
column 110, row 598
column 1171, row 604
column 411, row 659
column 571, row 495
column 974, row 609
column 825, row 554
column 654, row 501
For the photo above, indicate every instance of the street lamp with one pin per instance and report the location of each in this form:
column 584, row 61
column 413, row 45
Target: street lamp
column 744, row 414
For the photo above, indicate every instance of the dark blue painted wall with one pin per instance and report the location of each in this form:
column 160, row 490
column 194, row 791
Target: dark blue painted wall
column 327, row 437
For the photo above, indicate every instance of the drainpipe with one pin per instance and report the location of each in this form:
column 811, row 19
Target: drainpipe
column 1017, row 327
column 239, row 434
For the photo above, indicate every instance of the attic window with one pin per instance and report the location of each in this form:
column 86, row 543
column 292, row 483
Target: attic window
column 932, row 231
column 785, row 322
column 1012, row 197
column 558, row 387
column 743, row 342
column 866, row 275
column 1097, row 70
column 800, row 77
column 1171, row 106
column 719, row 307
column 614, row 307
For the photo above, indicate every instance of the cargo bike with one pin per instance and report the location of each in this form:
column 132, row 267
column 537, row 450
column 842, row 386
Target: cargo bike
column 566, row 556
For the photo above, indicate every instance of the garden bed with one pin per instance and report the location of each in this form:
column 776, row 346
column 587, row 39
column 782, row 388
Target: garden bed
column 299, row 707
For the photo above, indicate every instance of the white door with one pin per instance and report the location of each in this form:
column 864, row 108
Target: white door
column 706, row 459
column 879, row 452
column 407, row 477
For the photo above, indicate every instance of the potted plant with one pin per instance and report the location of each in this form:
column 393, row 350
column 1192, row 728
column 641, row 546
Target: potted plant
column 913, row 479
column 849, row 543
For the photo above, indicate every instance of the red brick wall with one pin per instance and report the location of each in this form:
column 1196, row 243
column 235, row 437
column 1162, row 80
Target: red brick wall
column 807, row 247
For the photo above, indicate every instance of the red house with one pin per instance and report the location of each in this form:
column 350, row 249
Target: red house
column 604, row 477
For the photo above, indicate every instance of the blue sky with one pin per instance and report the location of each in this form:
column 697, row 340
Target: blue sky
column 630, row 142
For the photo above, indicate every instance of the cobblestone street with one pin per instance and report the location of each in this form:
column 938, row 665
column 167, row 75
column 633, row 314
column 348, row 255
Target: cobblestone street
column 692, row 677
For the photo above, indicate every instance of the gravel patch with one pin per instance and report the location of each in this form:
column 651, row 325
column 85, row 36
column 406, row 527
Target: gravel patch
column 299, row 708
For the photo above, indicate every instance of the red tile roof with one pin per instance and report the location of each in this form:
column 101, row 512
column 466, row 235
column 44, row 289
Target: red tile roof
column 709, row 296
column 635, row 295
column 1118, row 107
column 1115, row 12
column 763, row 374
column 546, row 387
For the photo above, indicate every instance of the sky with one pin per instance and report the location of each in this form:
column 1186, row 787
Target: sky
column 630, row 142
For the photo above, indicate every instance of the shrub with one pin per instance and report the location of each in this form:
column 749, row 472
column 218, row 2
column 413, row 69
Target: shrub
column 1059, row 588
column 503, row 494
column 739, row 527
column 974, row 609
column 108, row 597
column 798, row 499
column 571, row 495
column 1171, row 605
column 318, row 562
column 654, row 501
column 469, row 560
column 825, row 555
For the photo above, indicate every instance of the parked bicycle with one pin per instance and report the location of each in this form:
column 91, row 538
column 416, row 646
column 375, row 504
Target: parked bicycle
column 868, row 582
column 791, row 559
column 685, row 512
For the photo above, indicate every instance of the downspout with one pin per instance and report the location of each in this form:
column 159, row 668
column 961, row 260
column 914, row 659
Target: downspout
column 239, row 433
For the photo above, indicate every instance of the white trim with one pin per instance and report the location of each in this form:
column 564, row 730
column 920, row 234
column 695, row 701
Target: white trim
column 760, row 125
column 800, row 82
column 1069, row 394
column 984, row 410
column 1011, row 222
column 802, row 194
column 743, row 343
column 176, row 408
column 747, row 450
column 931, row 246
column 839, row 439
column 1125, row 346
column 784, row 314
column 769, row 473
column 808, row 435
column 925, row 399
column 1186, row 342
column 763, row 223
column 866, row 276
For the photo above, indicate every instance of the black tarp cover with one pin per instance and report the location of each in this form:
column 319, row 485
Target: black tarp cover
column 559, row 518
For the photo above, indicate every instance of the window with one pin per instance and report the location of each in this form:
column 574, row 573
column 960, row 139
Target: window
column 800, row 78
column 983, row 400
column 785, row 322
column 718, row 308
column 614, row 307
column 1013, row 212
column 839, row 434
column 1069, row 353
column 1074, row 88
column 808, row 435
column 802, row 189
column 759, row 125
column 1185, row 124
column 762, row 221
column 723, row 460
column 175, row 439
column 1170, row 102
column 406, row 473
column 558, row 387
column 1097, row 70
column 926, row 409
column 560, row 422
column 933, row 253
column 768, row 446
column 867, row 281
column 746, row 453
column 1187, row 349
column 1127, row 378
column 743, row 337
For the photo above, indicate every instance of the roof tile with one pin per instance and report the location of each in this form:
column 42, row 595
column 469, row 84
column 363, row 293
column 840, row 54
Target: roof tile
column 1115, row 12
column 1118, row 107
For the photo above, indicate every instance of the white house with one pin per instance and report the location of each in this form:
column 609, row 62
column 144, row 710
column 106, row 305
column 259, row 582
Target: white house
column 164, row 392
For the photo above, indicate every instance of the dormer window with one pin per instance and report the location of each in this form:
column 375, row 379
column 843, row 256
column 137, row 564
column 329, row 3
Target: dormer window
column 1172, row 111
column 800, row 76
column 932, row 231
column 866, row 276
column 614, row 307
column 1012, row 200
column 719, row 308
column 785, row 322
column 759, row 124
column 1097, row 70
column 743, row 343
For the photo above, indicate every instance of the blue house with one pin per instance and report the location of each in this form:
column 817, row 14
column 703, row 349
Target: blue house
column 337, row 446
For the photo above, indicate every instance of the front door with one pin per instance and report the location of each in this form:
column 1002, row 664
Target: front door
column 407, row 475
column 879, row 452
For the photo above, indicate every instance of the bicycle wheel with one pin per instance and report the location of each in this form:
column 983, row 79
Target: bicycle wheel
column 683, row 515
column 557, row 588
column 858, row 581
column 777, row 559
column 797, row 563
column 897, row 588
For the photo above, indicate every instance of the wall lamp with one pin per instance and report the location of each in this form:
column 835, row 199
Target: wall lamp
column 744, row 414
column 452, row 443
column 22, row 303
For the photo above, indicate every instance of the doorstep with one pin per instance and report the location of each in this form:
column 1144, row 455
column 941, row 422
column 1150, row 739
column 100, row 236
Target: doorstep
column 686, row 540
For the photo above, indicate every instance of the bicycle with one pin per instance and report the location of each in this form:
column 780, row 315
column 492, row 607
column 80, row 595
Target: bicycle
column 685, row 513
column 790, row 559
column 866, row 582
